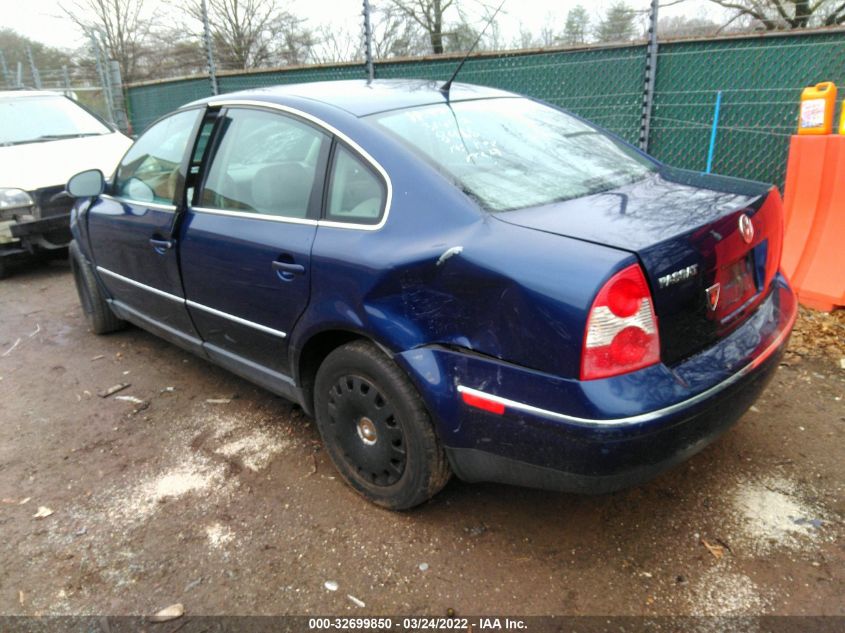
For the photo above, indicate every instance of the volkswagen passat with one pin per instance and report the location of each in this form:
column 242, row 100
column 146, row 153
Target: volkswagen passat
column 465, row 281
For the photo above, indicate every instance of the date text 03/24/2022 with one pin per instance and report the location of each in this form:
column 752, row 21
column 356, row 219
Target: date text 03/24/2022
column 417, row 624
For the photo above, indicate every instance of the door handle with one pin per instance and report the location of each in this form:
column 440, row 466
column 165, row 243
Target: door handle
column 161, row 246
column 287, row 270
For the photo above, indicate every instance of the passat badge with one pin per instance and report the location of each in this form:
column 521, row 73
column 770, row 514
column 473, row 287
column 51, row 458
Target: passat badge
column 746, row 228
column 713, row 296
column 678, row 276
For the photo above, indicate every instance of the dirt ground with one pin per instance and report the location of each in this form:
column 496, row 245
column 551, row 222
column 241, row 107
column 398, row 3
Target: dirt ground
column 194, row 486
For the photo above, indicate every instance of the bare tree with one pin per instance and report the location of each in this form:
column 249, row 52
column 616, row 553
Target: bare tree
column 336, row 44
column 253, row 33
column 682, row 26
column 787, row 14
column 394, row 35
column 176, row 51
column 525, row 38
column 295, row 43
column 122, row 27
column 429, row 15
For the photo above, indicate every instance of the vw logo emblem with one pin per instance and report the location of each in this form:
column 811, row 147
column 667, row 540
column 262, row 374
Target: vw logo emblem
column 746, row 228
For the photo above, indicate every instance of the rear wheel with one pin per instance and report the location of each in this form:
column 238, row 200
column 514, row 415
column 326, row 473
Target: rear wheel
column 376, row 429
column 97, row 311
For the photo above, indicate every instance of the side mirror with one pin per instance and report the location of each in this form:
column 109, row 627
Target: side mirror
column 86, row 184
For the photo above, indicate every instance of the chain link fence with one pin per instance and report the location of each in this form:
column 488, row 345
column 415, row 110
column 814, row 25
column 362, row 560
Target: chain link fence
column 760, row 78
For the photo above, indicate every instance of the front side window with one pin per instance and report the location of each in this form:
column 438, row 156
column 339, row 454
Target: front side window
column 356, row 194
column 266, row 163
column 513, row 153
column 150, row 170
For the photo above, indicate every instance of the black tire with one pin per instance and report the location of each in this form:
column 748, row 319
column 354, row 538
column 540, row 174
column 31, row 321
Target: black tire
column 4, row 269
column 376, row 429
column 98, row 313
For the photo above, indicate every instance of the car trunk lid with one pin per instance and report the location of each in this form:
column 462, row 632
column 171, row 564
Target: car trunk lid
column 706, row 274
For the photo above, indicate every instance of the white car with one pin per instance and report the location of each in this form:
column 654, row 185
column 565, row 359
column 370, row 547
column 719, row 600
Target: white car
column 45, row 138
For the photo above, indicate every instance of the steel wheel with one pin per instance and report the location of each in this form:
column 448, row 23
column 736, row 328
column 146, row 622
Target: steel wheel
column 367, row 431
column 376, row 429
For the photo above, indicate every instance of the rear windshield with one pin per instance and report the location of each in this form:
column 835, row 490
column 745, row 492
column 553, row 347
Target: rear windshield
column 45, row 118
column 515, row 153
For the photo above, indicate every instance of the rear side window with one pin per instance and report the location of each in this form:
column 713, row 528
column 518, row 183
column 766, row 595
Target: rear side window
column 266, row 163
column 150, row 170
column 356, row 193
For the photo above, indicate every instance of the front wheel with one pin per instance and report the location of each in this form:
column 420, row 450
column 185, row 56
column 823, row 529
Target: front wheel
column 98, row 313
column 376, row 429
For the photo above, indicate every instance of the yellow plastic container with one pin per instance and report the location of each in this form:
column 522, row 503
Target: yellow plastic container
column 817, row 105
column 842, row 119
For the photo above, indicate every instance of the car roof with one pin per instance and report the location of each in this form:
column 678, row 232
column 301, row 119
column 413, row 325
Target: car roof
column 362, row 98
column 23, row 94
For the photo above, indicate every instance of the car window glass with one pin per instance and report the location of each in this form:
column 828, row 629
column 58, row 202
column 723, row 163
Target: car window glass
column 516, row 153
column 149, row 172
column 266, row 163
column 38, row 119
column 356, row 193
column 203, row 137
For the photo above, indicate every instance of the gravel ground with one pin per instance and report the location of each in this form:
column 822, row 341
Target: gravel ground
column 193, row 486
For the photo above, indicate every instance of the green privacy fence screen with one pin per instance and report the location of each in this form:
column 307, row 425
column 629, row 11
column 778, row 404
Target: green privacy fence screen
column 760, row 77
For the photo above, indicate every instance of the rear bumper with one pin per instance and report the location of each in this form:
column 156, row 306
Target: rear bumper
column 606, row 434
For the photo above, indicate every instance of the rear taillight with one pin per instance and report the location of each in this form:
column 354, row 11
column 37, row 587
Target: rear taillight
column 621, row 334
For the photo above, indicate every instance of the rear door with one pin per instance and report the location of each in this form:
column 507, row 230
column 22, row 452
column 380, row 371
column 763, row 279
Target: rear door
column 247, row 236
column 131, row 230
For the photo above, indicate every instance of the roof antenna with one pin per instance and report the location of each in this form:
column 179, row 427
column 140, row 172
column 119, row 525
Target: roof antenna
column 448, row 85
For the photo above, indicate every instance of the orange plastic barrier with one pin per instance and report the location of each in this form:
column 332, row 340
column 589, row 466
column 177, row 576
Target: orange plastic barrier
column 814, row 206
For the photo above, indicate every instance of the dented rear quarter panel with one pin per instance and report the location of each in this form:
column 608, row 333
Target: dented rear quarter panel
column 442, row 271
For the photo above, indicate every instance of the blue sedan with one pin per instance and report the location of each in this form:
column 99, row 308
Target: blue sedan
column 459, row 281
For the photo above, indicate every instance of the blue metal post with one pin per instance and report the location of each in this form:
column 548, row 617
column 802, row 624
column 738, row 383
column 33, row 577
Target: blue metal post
column 713, row 132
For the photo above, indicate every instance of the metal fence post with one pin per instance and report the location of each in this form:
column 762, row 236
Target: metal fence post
column 104, row 78
column 36, row 77
column 7, row 78
column 209, row 49
column 66, row 78
column 117, row 99
column 368, row 42
column 650, row 74
column 19, row 77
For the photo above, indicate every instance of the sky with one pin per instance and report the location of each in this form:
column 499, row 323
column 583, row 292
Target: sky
column 43, row 20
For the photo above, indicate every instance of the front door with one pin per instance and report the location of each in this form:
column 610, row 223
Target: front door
column 131, row 230
column 246, row 239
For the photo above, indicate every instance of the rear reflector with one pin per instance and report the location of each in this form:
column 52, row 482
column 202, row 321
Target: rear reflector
column 621, row 334
column 480, row 402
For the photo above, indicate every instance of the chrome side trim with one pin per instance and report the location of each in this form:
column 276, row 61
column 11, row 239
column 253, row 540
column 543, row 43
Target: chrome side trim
column 644, row 417
column 333, row 130
column 139, row 203
column 236, row 319
column 138, row 284
column 256, row 216
column 192, row 304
